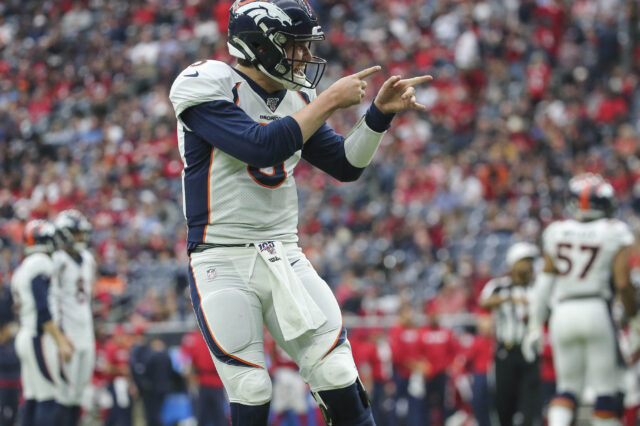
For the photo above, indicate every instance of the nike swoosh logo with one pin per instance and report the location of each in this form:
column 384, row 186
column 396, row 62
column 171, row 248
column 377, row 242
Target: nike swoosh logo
column 195, row 74
column 294, row 262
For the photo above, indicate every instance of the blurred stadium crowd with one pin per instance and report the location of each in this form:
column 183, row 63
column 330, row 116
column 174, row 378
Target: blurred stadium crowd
column 525, row 94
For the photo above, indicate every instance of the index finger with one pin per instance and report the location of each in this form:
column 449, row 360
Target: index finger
column 368, row 71
column 415, row 80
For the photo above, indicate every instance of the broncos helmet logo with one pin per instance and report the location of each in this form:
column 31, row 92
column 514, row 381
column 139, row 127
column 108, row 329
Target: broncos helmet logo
column 259, row 10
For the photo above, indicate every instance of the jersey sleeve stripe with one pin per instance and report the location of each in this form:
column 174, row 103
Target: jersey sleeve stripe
column 304, row 97
column 236, row 97
column 213, row 345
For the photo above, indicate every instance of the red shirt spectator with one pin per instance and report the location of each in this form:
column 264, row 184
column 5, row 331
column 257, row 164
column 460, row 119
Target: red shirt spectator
column 547, row 372
column 100, row 370
column 403, row 340
column 279, row 358
column 195, row 348
column 365, row 352
column 538, row 78
column 439, row 346
column 480, row 355
column 116, row 354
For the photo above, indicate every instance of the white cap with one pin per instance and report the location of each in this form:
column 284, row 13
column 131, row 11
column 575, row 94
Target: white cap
column 520, row 251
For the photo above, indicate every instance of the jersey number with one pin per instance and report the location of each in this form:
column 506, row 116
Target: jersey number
column 269, row 180
column 81, row 294
column 563, row 254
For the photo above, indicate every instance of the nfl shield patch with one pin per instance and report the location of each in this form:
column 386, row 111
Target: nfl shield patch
column 211, row 273
column 272, row 103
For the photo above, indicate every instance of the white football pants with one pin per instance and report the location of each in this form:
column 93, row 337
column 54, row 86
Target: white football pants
column 231, row 295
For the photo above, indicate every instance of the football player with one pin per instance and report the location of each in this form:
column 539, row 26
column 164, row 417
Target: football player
column 39, row 343
column 583, row 256
column 75, row 273
column 241, row 132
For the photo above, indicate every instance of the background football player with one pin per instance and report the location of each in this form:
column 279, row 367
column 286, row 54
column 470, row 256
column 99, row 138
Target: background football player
column 40, row 344
column 241, row 132
column 583, row 256
column 75, row 273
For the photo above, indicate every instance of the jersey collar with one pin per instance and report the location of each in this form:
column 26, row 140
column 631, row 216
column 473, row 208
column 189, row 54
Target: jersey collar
column 272, row 100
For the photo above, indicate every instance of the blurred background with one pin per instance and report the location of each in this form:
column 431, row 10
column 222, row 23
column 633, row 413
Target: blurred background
column 526, row 93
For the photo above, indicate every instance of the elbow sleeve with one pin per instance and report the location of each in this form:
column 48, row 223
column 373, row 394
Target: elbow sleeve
column 361, row 144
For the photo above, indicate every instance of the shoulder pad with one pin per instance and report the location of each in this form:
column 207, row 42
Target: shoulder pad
column 621, row 232
column 201, row 82
column 38, row 263
column 311, row 93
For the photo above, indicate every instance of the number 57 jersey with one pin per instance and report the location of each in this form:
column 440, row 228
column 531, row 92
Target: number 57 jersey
column 72, row 296
column 583, row 254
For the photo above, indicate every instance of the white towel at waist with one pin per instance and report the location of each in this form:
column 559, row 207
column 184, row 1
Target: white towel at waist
column 296, row 311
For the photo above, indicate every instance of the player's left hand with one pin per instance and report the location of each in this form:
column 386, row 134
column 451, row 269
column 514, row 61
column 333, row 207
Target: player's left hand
column 398, row 94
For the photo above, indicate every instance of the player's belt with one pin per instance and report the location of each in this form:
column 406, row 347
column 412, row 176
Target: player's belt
column 580, row 296
column 206, row 246
column 508, row 345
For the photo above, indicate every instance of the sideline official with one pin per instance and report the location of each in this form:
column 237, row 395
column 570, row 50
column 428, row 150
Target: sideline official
column 517, row 381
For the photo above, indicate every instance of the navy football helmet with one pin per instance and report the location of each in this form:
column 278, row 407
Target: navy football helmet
column 260, row 31
column 591, row 197
column 74, row 229
column 40, row 237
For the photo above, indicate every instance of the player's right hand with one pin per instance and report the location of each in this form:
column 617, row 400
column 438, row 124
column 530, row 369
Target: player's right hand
column 350, row 90
column 65, row 347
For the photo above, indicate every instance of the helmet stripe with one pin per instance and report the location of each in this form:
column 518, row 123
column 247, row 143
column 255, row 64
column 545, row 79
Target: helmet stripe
column 584, row 197
column 30, row 240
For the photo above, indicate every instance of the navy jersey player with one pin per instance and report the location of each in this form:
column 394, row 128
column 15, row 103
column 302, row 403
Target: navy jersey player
column 75, row 272
column 241, row 132
column 586, row 265
column 39, row 343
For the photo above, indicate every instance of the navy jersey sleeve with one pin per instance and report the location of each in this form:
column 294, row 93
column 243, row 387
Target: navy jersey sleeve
column 40, row 290
column 325, row 150
column 228, row 128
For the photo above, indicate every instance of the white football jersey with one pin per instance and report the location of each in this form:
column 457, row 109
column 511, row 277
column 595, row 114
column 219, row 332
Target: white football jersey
column 22, row 290
column 583, row 254
column 237, row 203
column 72, row 296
